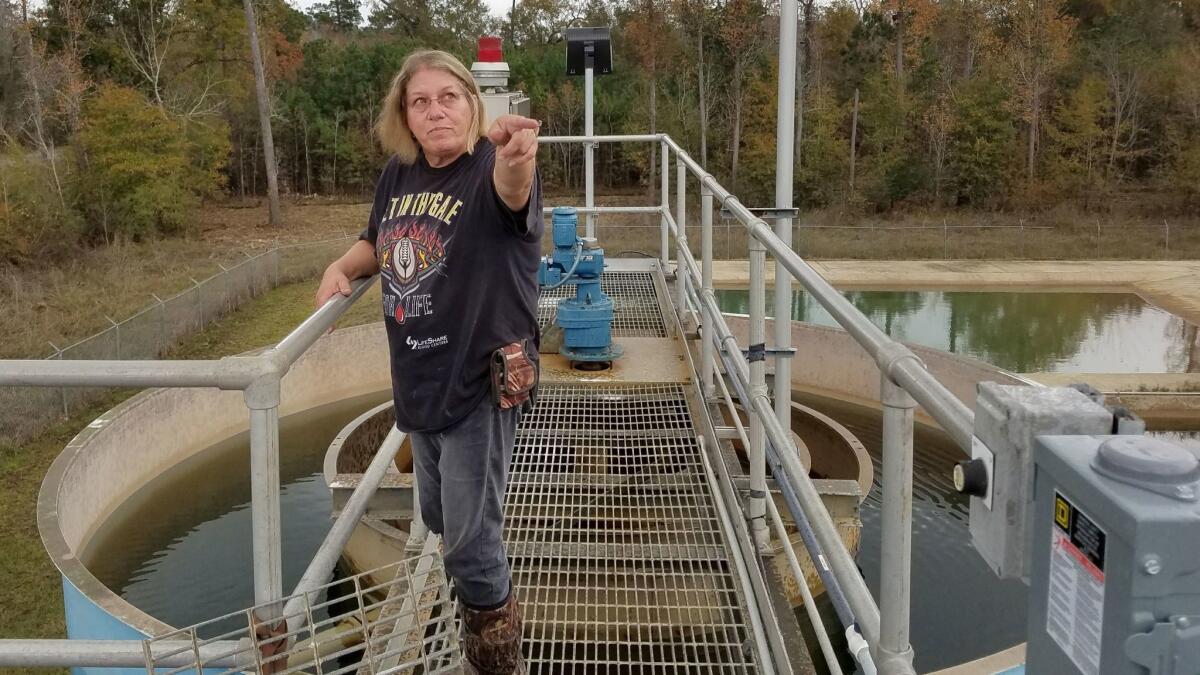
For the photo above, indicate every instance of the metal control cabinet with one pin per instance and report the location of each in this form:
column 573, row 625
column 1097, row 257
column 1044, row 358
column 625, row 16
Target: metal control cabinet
column 1115, row 576
column 505, row 103
column 1007, row 420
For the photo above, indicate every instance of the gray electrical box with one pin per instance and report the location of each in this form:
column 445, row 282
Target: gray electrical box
column 505, row 103
column 1007, row 420
column 1115, row 577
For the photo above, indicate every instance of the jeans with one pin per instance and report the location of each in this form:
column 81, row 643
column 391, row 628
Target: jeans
column 461, row 475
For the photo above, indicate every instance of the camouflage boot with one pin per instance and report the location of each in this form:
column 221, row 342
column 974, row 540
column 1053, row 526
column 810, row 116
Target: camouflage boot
column 492, row 639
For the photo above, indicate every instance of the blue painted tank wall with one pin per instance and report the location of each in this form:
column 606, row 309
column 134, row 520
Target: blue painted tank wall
column 87, row 621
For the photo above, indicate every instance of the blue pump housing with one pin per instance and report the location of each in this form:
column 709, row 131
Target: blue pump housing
column 586, row 318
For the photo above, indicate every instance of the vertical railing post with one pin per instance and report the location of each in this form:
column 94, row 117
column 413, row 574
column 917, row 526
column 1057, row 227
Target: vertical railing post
column 62, row 391
column 894, row 653
column 666, row 207
column 681, row 271
column 263, row 401
column 706, row 274
column 162, row 326
column 757, row 503
column 589, row 153
column 115, row 327
column 785, row 129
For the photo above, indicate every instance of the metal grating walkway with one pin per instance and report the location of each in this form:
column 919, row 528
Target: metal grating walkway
column 616, row 545
column 635, row 304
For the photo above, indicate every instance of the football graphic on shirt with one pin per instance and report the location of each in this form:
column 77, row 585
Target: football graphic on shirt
column 404, row 260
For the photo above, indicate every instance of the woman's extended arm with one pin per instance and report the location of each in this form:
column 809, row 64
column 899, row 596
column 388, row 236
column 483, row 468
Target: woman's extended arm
column 515, row 138
column 358, row 262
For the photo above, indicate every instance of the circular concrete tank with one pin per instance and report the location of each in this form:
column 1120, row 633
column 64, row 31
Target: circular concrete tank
column 127, row 447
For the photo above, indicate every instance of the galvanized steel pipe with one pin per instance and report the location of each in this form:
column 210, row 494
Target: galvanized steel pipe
column 894, row 653
column 706, row 275
column 264, row 512
column 124, row 654
column 756, row 505
column 589, row 169
column 665, row 256
column 853, row 587
column 681, row 241
column 317, row 324
column 627, row 138
column 785, row 126
column 322, row 564
column 893, row 357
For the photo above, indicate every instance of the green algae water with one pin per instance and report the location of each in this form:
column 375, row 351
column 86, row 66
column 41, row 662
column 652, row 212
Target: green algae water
column 1020, row 332
column 180, row 548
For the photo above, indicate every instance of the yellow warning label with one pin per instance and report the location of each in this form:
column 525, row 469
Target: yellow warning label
column 1062, row 512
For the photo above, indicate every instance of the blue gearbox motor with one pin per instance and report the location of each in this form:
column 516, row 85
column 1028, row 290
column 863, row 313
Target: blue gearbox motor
column 586, row 319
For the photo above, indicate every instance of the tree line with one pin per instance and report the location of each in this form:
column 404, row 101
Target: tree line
column 118, row 117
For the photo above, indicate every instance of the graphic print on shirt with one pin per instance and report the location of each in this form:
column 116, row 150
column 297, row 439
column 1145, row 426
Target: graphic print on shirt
column 412, row 246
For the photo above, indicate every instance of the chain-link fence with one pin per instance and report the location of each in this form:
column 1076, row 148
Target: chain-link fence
column 1011, row 239
column 157, row 328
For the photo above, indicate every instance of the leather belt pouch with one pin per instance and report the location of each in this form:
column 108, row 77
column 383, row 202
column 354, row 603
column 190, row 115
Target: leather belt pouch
column 514, row 375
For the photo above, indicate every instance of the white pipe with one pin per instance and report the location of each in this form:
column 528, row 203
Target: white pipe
column 860, row 650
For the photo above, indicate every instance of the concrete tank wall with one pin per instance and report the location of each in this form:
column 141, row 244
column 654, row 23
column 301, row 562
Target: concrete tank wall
column 128, row 446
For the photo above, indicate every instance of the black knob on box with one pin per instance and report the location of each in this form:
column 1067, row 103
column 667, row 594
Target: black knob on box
column 970, row 477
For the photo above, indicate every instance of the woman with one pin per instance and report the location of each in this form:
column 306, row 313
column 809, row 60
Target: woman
column 455, row 235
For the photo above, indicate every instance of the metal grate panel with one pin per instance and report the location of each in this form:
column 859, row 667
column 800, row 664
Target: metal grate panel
column 399, row 618
column 616, row 545
column 636, row 312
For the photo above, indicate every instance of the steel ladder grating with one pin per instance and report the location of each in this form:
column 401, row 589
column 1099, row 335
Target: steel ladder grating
column 616, row 545
column 636, row 311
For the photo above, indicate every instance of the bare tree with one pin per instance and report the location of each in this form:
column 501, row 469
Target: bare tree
column 1038, row 46
column 43, row 78
column 741, row 31
column 803, row 58
column 1125, row 71
column 697, row 11
column 10, row 74
column 264, row 116
column 147, row 43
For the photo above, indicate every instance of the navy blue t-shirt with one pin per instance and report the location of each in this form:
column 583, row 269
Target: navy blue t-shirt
column 459, row 276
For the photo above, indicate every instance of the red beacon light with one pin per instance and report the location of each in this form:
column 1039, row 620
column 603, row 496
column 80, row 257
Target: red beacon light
column 490, row 50
column 489, row 70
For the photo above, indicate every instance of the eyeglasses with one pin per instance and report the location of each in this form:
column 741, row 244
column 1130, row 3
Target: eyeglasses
column 450, row 99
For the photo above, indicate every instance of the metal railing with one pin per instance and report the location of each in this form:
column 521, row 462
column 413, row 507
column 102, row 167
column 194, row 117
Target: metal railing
column 905, row 383
column 258, row 377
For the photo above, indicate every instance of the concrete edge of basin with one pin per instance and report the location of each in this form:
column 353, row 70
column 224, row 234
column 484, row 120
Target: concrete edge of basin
column 339, row 365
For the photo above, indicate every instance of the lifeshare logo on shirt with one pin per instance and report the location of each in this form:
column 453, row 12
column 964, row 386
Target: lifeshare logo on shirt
column 427, row 343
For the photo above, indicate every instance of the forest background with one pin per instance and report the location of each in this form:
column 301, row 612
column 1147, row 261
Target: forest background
column 120, row 118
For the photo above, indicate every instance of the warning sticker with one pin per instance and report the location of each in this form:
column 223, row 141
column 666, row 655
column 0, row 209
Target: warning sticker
column 1075, row 611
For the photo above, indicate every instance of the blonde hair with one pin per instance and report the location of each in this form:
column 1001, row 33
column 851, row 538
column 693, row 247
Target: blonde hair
column 392, row 126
